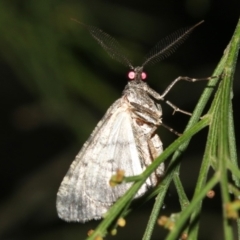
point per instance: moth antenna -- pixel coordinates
(108, 43)
(168, 45)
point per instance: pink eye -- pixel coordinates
(131, 75)
(143, 75)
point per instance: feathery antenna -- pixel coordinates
(108, 43)
(168, 45)
(162, 49)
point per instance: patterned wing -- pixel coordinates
(85, 192)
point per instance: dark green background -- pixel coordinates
(57, 82)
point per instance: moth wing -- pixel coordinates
(85, 192)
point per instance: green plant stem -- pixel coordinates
(199, 186)
(235, 171)
(183, 199)
(156, 208)
(232, 147)
(208, 158)
(176, 231)
(223, 153)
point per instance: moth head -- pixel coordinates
(137, 74)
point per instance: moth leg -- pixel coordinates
(147, 114)
(141, 111)
(185, 79)
(171, 129)
(177, 109)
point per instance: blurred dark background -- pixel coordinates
(57, 82)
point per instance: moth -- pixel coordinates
(125, 139)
